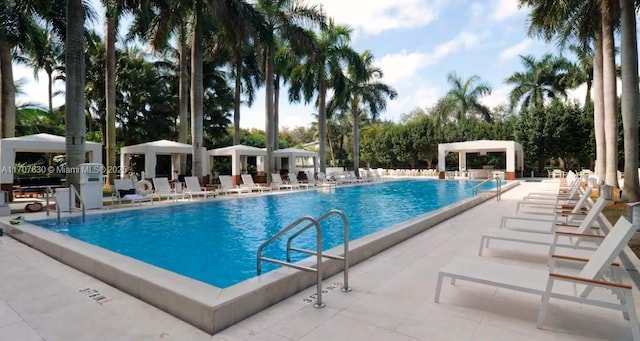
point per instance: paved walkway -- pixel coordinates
(392, 298)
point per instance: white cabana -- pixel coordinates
(152, 149)
(238, 154)
(306, 157)
(38, 143)
(513, 150)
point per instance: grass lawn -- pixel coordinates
(615, 210)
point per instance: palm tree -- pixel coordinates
(609, 10)
(542, 80)
(156, 21)
(114, 10)
(44, 51)
(284, 18)
(630, 99)
(16, 22)
(580, 21)
(321, 66)
(363, 89)
(75, 119)
(466, 94)
(240, 43)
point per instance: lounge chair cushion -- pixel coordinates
(124, 192)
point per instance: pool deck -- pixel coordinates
(392, 298)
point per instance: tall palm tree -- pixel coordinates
(630, 99)
(157, 22)
(579, 21)
(240, 43)
(16, 21)
(466, 94)
(322, 67)
(75, 119)
(114, 10)
(44, 51)
(609, 11)
(286, 19)
(364, 89)
(542, 80)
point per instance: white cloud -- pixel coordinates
(374, 17)
(464, 40)
(399, 67)
(499, 96)
(505, 9)
(496, 10)
(519, 49)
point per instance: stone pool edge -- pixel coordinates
(206, 307)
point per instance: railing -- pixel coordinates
(73, 193)
(498, 186)
(344, 258)
(317, 270)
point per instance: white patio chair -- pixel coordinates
(593, 275)
(575, 237)
(227, 186)
(277, 183)
(247, 182)
(193, 188)
(164, 190)
(294, 182)
(124, 189)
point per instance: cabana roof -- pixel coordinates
(160, 147)
(294, 152)
(239, 149)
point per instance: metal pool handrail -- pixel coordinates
(72, 188)
(318, 268)
(344, 258)
(498, 186)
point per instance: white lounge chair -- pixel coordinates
(537, 282)
(294, 182)
(164, 190)
(277, 183)
(193, 188)
(554, 202)
(547, 218)
(575, 237)
(247, 182)
(227, 186)
(124, 189)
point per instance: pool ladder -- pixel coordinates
(498, 186)
(311, 222)
(74, 193)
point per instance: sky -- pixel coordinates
(416, 43)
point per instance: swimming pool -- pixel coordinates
(216, 241)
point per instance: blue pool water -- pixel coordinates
(216, 241)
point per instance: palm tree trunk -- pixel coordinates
(50, 91)
(598, 109)
(276, 112)
(75, 120)
(610, 98)
(322, 123)
(236, 101)
(630, 99)
(8, 97)
(183, 94)
(268, 161)
(197, 97)
(110, 87)
(333, 155)
(356, 138)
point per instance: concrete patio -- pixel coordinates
(392, 298)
